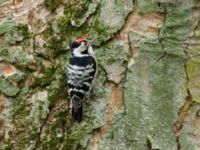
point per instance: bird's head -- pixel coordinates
(80, 46)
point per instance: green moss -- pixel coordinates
(19, 104)
(45, 79)
(66, 32)
(56, 45)
(52, 4)
(23, 30)
(70, 10)
(63, 58)
(26, 139)
(77, 9)
(48, 32)
(56, 132)
(6, 146)
(57, 86)
(26, 130)
(63, 23)
(95, 28)
(4, 54)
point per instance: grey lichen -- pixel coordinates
(152, 87)
(7, 88)
(40, 107)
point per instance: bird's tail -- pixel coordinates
(77, 114)
(77, 109)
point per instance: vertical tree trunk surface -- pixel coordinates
(147, 93)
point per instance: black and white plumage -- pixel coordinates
(81, 70)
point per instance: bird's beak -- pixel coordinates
(88, 44)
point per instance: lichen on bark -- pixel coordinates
(146, 90)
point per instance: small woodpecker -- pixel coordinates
(81, 71)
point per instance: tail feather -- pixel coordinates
(77, 115)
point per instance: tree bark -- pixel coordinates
(147, 92)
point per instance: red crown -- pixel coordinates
(79, 40)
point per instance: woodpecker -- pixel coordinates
(81, 71)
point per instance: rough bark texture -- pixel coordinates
(147, 93)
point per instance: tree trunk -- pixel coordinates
(147, 92)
